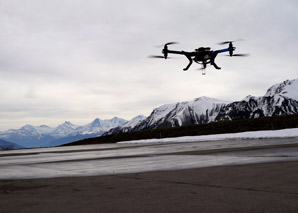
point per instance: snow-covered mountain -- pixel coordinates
(42, 136)
(100, 126)
(198, 111)
(29, 136)
(93, 129)
(63, 130)
(280, 99)
(128, 126)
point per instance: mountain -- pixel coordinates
(5, 145)
(127, 127)
(29, 136)
(64, 130)
(280, 99)
(100, 125)
(43, 136)
(93, 129)
(198, 111)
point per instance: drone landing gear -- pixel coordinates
(190, 60)
(216, 67)
(212, 60)
(204, 68)
(204, 71)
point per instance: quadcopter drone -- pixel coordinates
(202, 55)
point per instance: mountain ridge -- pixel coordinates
(280, 99)
(43, 135)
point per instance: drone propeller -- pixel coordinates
(227, 42)
(241, 55)
(158, 56)
(238, 55)
(169, 43)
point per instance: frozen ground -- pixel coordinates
(242, 135)
(167, 154)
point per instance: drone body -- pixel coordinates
(202, 55)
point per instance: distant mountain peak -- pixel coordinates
(204, 98)
(40, 136)
(27, 127)
(96, 122)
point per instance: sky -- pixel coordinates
(77, 60)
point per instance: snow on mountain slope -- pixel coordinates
(200, 110)
(288, 88)
(132, 123)
(64, 129)
(280, 99)
(127, 127)
(99, 125)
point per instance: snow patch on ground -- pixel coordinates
(283, 133)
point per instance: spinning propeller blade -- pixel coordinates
(241, 55)
(227, 42)
(155, 56)
(169, 43)
(158, 56)
(238, 55)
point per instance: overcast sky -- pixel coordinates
(76, 60)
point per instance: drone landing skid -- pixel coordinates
(204, 71)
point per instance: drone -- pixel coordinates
(202, 55)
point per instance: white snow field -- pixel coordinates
(242, 135)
